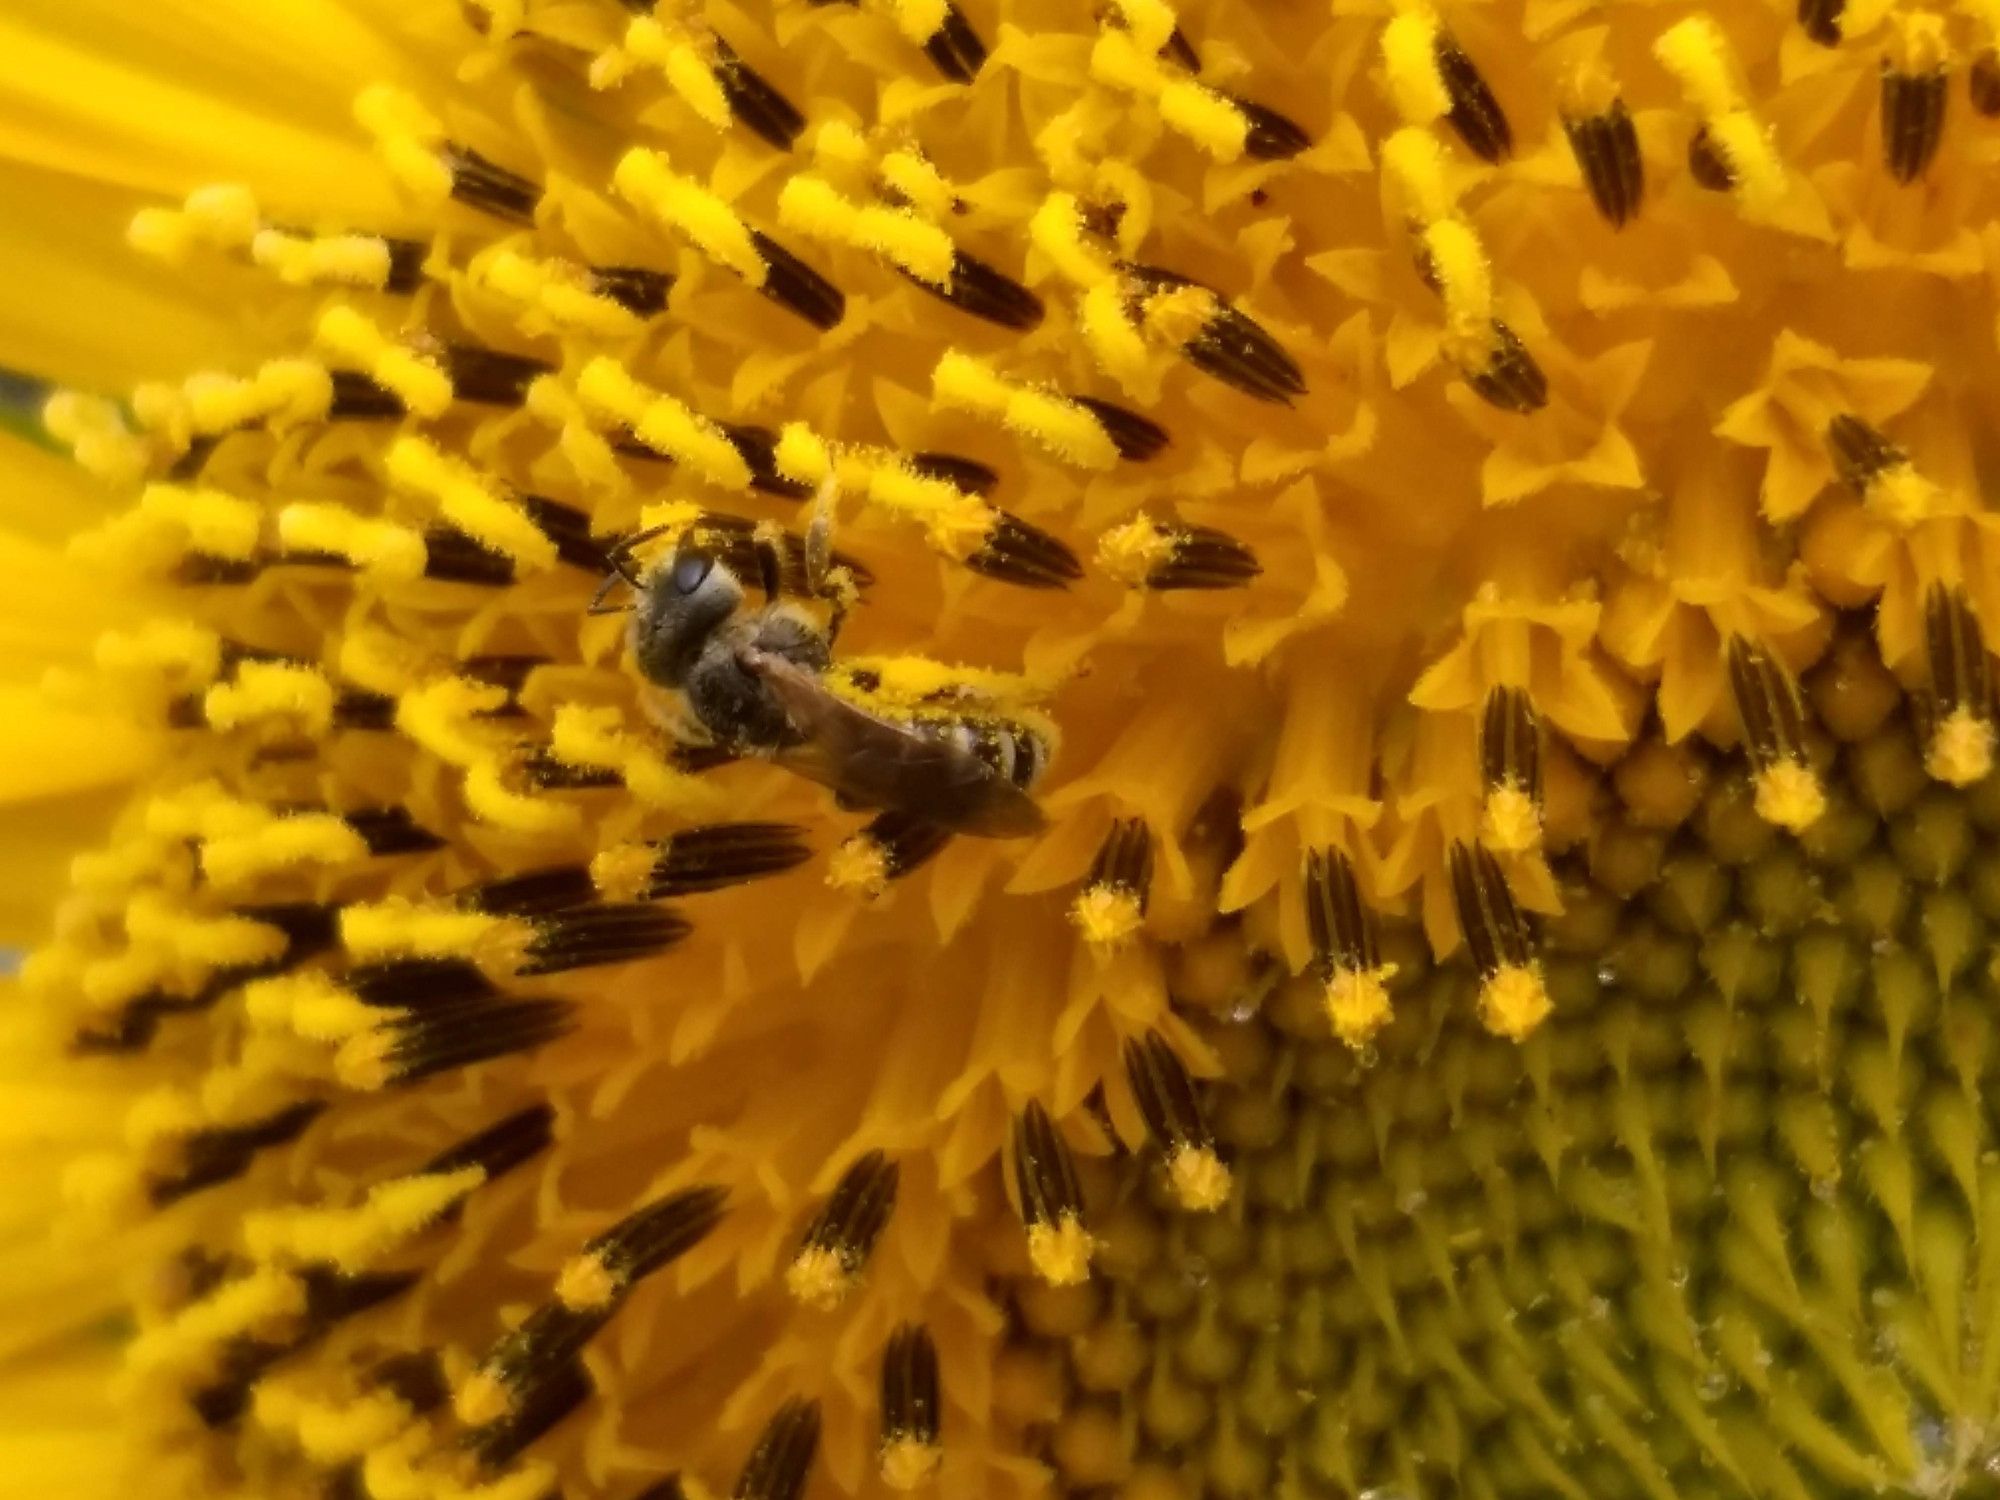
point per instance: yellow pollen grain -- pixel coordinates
(215, 523)
(859, 865)
(363, 1062)
(586, 1284)
(1961, 750)
(819, 1278)
(265, 1301)
(1064, 429)
(470, 501)
(182, 652)
(644, 179)
(1902, 496)
(1131, 551)
(1465, 281)
(232, 860)
(908, 1463)
(1357, 1003)
(272, 690)
(400, 928)
(443, 717)
(1510, 822)
(1116, 342)
(1409, 61)
(407, 136)
(663, 423)
(1057, 231)
(354, 1239)
(1178, 315)
(911, 176)
(1514, 1001)
(382, 549)
(418, 382)
(622, 872)
(492, 800)
(917, 20)
(1789, 795)
(1198, 1179)
(480, 1399)
(815, 208)
(356, 260)
(1108, 916)
(557, 292)
(328, 1432)
(1060, 1252)
(309, 1004)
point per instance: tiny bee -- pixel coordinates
(753, 682)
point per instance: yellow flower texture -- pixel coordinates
(1395, 596)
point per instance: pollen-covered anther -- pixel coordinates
(1111, 907)
(892, 845)
(508, 946)
(1606, 147)
(1513, 999)
(707, 75)
(1051, 1200)
(636, 1246)
(542, 1351)
(355, 1239)
(432, 167)
(835, 1248)
(1880, 472)
(1195, 1172)
(1165, 556)
(1730, 150)
(415, 1045)
(1221, 124)
(645, 179)
(1211, 334)
(1773, 716)
(1075, 429)
(1510, 772)
(912, 1409)
(1346, 956)
(1431, 77)
(694, 860)
(1961, 746)
(913, 245)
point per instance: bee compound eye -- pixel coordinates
(690, 570)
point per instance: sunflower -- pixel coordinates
(1450, 540)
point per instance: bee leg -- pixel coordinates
(766, 541)
(825, 579)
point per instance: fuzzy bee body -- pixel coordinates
(753, 680)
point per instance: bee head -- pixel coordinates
(680, 604)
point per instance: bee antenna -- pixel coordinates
(616, 576)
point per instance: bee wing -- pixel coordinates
(879, 763)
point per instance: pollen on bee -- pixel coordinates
(1513, 999)
(837, 1244)
(1346, 955)
(1051, 1200)
(1773, 716)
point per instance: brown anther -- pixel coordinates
(1167, 1098)
(1820, 20)
(757, 105)
(1913, 106)
(1229, 345)
(1982, 83)
(779, 1464)
(912, 1408)
(488, 186)
(1018, 552)
(843, 1234)
(1707, 164)
(1051, 1199)
(1475, 114)
(1859, 452)
(1510, 769)
(1510, 380)
(1606, 147)
(1125, 861)
(1496, 933)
